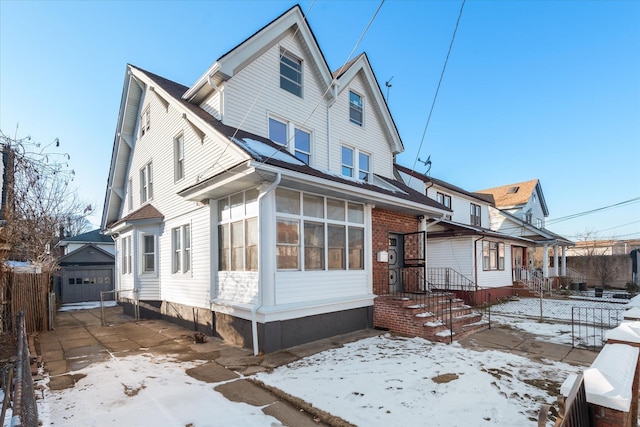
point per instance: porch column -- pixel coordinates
(555, 260)
(564, 261)
(545, 260)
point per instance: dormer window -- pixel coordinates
(355, 108)
(363, 166)
(279, 132)
(444, 199)
(290, 73)
(355, 160)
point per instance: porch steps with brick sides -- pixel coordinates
(429, 319)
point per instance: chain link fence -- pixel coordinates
(18, 383)
(580, 319)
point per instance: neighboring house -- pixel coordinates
(463, 250)
(520, 210)
(87, 267)
(260, 203)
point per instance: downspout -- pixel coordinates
(217, 89)
(254, 310)
(475, 259)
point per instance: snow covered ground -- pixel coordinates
(378, 381)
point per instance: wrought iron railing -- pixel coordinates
(573, 411)
(435, 290)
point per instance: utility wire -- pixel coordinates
(577, 215)
(435, 97)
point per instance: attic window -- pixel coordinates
(355, 108)
(513, 190)
(290, 73)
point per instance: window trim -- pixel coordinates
(181, 249)
(355, 167)
(178, 158)
(348, 222)
(291, 131)
(357, 109)
(145, 121)
(288, 60)
(493, 253)
(126, 260)
(236, 214)
(146, 183)
(475, 215)
(144, 253)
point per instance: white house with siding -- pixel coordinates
(244, 204)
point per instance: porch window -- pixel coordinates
(492, 255)
(334, 243)
(288, 242)
(313, 246)
(337, 239)
(356, 248)
(238, 232)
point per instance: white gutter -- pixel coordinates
(254, 310)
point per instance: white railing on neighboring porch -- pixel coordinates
(533, 279)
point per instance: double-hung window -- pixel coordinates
(178, 153)
(181, 244)
(290, 73)
(355, 160)
(492, 255)
(146, 183)
(145, 121)
(297, 141)
(148, 253)
(475, 214)
(444, 199)
(315, 233)
(126, 255)
(355, 108)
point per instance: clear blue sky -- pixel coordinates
(533, 89)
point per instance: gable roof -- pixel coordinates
(99, 256)
(93, 236)
(511, 195)
(146, 214)
(486, 198)
(540, 235)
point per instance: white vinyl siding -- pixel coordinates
(254, 94)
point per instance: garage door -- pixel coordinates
(85, 284)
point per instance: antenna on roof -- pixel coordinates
(427, 163)
(388, 85)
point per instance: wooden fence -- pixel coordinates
(27, 292)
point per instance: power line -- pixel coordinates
(435, 96)
(577, 215)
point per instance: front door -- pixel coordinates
(396, 257)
